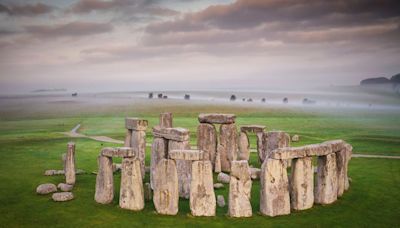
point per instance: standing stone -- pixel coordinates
(202, 196)
(274, 189)
(166, 120)
(207, 141)
(159, 150)
(244, 146)
(227, 146)
(184, 168)
(341, 171)
(349, 151)
(70, 164)
(302, 184)
(166, 194)
(240, 190)
(148, 193)
(131, 195)
(138, 143)
(128, 138)
(104, 181)
(325, 191)
(260, 146)
(275, 140)
(217, 166)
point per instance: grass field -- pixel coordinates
(31, 142)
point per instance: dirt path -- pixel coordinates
(74, 134)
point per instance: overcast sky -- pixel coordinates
(99, 45)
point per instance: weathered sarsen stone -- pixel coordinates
(274, 189)
(184, 168)
(70, 176)
(121, 152)
(138, 144)
(104, 181)
(135, 124)
(227, 148)
(341, 171)
(252, 128)
(325, 191)
(188, 155)
(177, 134)
(223, 178)
(47, 188)
(275, 140)
(166, 195)
(131, 195)
(349, 151)
(128, 138)
(202, 196)
(240, 190)
(159, 150)
(302, 183)
(207, 141)
(217, 118)
(244, 146)
(166, 120)
(62, 196)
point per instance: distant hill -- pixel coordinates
(392, 84)
(372, 81)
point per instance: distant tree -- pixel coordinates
(75, 94)
(160, 96)
(249, 100)
(244, 99)
(150, 95)
(233, 97)
(187, 97)
(165, 97)
(285, 100)
(263, 100)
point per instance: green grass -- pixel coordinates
(29, 146)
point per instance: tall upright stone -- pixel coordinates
(202, 196)
(227, 146)
(131, 192)
(325, 191)
(138, 143)
(104, 181)
(341, 157)
(274, 189)
(274, 140)
(349, 151)
(166, 120)
(166, 194)
(302, 184)
(184, 168)
(244, 146)
(70, 176)
(207, 141)
(260, 146)
(128, 138)
(159, 151)
(240, 190)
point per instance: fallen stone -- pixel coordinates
(104, 181)
(252, 128)
(188, 155)
(274, 188)
(227, 147)
(223, 178)
(62, 196)
(138, 145)
(131, 195)
(65, 187)
(202, 196)
(244, 146)
(70, 176)
(184, 168)
(166, 120)
(166, 194)
(121, 152)
(217, 118)
(79, 171)
(221, 201)
(240, 190)
(295, 138)
(207, 141)
(302, 184)
(325, 191)
(116, 167)
(218, 185)
(177, 134)
(44, 189)
(255, 173)
(135, 124)
(159, 150)
(50, 172)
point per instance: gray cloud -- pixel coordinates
(26, 9)
(73, 29)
